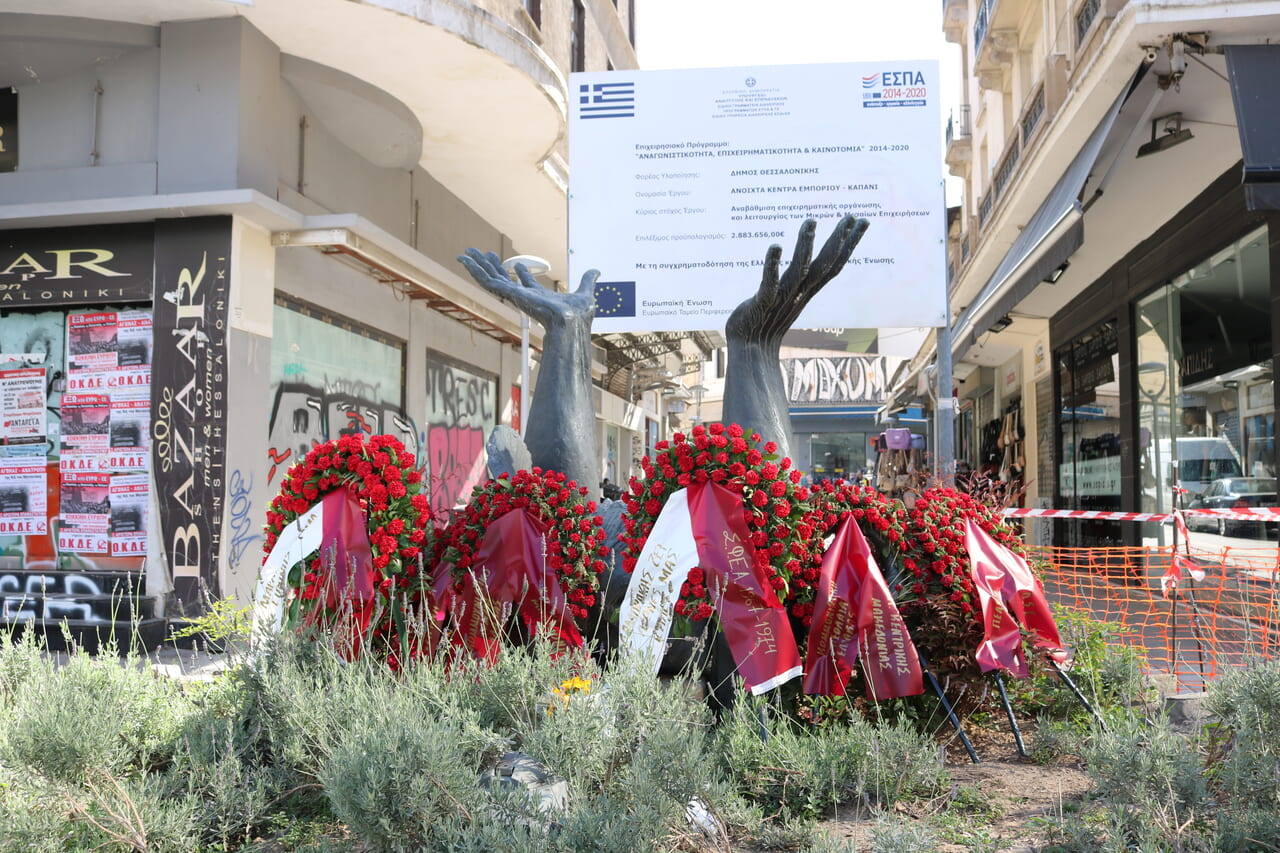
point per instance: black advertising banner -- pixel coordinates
(8, 130)
(89, 265)
(188, 401)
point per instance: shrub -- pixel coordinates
(1245, 741)
(95, 715)
(805, 773)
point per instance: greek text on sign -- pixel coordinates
(682, 179)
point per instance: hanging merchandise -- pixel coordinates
(1013, 459)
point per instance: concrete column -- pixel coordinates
(219, 83)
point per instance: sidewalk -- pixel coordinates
(171, 662)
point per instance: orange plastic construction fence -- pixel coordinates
(1205, 627)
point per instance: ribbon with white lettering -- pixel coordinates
(754, 622)
(300, 537)
(1021, 589)
(855, 617)
(669, 552)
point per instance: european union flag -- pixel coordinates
(615, 299)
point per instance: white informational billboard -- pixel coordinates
(680, 180)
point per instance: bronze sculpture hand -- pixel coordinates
(560, 420)
(548, 307)
(754, 395)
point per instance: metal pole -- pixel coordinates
(946, 706)
(525, 396)
(1008, 710)
(945, 413)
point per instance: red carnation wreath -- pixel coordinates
(401, 537)
(773, 505)
(938, 599)
(883, 520)
(574, 538)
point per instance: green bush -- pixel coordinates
(1109, 673)
(1245, 739)
(92, 715)
(807, 772)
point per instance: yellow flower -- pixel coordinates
(560, 695)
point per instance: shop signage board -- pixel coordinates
(682, 179)
(188, 408)
(90, 265)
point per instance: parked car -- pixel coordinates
(1233, 493)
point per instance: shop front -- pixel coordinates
(113, 373)
(1164, 372)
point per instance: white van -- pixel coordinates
(1200, 460)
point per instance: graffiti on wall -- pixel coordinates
(835, 379)
(304, 415)
(102, 598)
(461, 410)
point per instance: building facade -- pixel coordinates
(229, 230)
(1112, 263)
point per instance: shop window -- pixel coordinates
(1206, 408)
(1089, 450)
(330, 376)
(461, 411)
(841, 456)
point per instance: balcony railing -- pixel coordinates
(1031, 118)
(958, 126)
(1005, 173)
(1084, 19)
(980, 23)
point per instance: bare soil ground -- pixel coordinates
(996, 804)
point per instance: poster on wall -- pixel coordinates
(188, 409)
(86, 423)
(461, 410)
(23, 497)
(86, 500)
(91, 341)
(128, 515)
(22, 406)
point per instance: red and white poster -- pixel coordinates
(23, 498)
(128, 515)
(91, 342)
(86, 500)
(22, 406)
(129, 448)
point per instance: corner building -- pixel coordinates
(1113, 264)
(228, 230)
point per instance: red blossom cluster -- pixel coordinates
(575, 535)
(940, 605)
(937, 556)
(401, 534)
(773, 505)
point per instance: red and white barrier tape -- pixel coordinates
(1269, 513)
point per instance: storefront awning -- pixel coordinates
(1052, 235)
(1253, 70)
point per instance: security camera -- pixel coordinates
(1153, 52)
